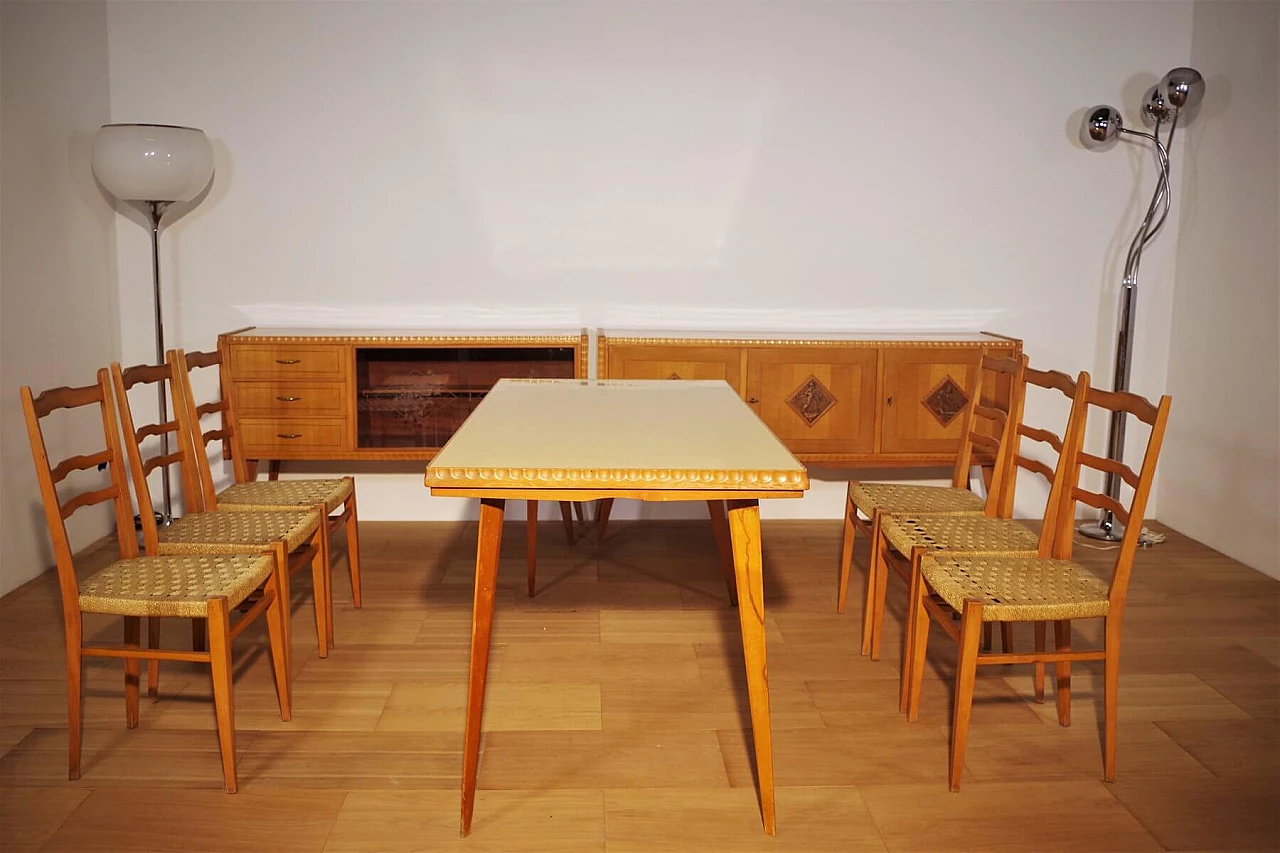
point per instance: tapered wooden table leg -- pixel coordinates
(720, 527)
(490, 542)
(744, 528)
(531, 542)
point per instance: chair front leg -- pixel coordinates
(1062, 642)
(132, 670)
(966, 671)
(223, 704)
(920, 622)
(1111, 682)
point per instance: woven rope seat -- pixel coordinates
(967, 533)
(1018, 589)
(172, 586)
(894, 497)
(235, 532)
(284, 494)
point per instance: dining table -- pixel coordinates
(647, 440)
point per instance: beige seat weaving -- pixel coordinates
(1018, 589)
(172, 586)
(258, 495)
(895, 497)
(968, 533)
(235, 532)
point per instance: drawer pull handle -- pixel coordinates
(288, 435)
(288, 399)
(754, 400)
(288, 360)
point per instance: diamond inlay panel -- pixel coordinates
(946, 401)
(811, 401)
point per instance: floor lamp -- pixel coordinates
(1178, 92)
(157, 165)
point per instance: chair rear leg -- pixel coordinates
(223, 703)
(153, 665)
(1039, 629)
(320, 596)
(198, 631)
(324, 542)
(132, 670)
(353, 549)
(277, 634)
(846, 555)
(75, 669)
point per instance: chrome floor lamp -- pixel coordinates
(1177, 93)
(156, 164)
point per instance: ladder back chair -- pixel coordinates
(205, 586)
(1044, 588)
(985, 426)
(906, 539)
(293, 536)
(245, 494)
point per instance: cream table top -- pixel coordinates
(633, 435)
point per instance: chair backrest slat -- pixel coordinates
(1098, 500)
(1035, 466)
(1043, 435)
(212, 408)
(86, 499)
(1124, 401)
(156, 430)
(78, 463)
(64, 397)
(1101, 463)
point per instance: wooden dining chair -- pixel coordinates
(204, 586)
(986, 427)
(1039, 589)
(245, 494)
(294, 535)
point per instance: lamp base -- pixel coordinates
(162, 520)
(1114, 532)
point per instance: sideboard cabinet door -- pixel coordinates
(925, 391)
(676, 361)
(815, 399)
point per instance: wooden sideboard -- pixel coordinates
(348, 394)
(865, 400)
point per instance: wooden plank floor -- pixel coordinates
(617, 708)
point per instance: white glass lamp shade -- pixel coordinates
(152, 162)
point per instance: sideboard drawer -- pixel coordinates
(277, 361)
(283, 438)
(291, 399)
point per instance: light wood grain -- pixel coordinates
(670, 769)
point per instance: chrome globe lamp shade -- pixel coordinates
(1175, 97)
(156, 165)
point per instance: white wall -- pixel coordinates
(1221, 468)
(797, 166)
(58, 301)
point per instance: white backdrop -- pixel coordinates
(793, 166)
